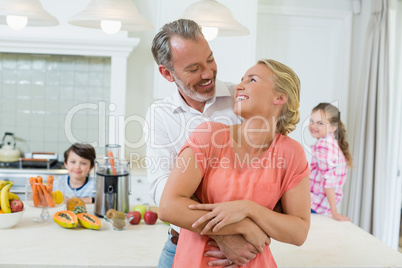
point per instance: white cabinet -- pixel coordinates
(140, 191)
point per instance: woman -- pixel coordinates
(240, 172)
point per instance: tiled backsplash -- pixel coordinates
(37, 93)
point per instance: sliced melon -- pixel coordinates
(89, 221)
(66, 219)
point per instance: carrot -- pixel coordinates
(35, 196)
(112, 164)
(42, 198)
(48, 197)
(49, 185)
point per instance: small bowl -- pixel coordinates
(9, 220)
(119, 224)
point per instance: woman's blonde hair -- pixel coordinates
(286, 81)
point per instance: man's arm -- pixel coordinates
(159, 157)
(231, 247)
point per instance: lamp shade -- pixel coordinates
(210, 13)
(111, 10)
(31, 9)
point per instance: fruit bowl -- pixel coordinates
(9, 220)
(119, 224)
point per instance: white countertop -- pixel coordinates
(28, 244)
(332, 243)
(47, 244)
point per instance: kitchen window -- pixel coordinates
(39, 92)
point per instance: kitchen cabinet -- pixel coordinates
(140, 190)
(140, 187)
(139, 183)
(21, 176)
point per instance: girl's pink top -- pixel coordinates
(328, 170)
(226, 178)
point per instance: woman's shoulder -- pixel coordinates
(210, 130)
(289, 144)
(211, 126)
(209, 134)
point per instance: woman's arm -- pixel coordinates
(183, 181)
(330, 193)
(290, 227)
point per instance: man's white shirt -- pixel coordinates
(170, 122)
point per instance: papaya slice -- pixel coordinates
(89, 221)
(66, 219)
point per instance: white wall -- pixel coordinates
(234, 55)
(141, 65)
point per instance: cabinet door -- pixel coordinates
(140, 191)
(316, 44)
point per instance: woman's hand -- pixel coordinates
(221, 214)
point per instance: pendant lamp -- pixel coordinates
(20, 13)
(215, 19)
(111, 16)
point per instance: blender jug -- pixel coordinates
(113, 183)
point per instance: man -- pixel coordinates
(185, 58)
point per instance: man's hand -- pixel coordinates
(232, 247)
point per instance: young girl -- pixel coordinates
(79, 160)
(330, 160)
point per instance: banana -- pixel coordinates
(4, 200)
(3, 183)
(12, 196)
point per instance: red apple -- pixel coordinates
(135, 215)
(150, 217)
(16, 205)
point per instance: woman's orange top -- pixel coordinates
(226, 177)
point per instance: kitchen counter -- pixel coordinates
(29, 244)
(332, 243)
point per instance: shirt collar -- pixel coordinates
(330, 136)
(221, 90)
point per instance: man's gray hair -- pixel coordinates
(183, 28)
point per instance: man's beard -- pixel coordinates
(192, 93)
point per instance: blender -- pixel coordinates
(113, 183)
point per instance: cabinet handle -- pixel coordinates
(18, 192)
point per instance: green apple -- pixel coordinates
(141, 208)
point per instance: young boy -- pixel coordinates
(79, 160)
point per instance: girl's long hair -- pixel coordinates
(334, 117)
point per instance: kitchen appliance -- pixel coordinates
(113, 183)
(8, 152)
